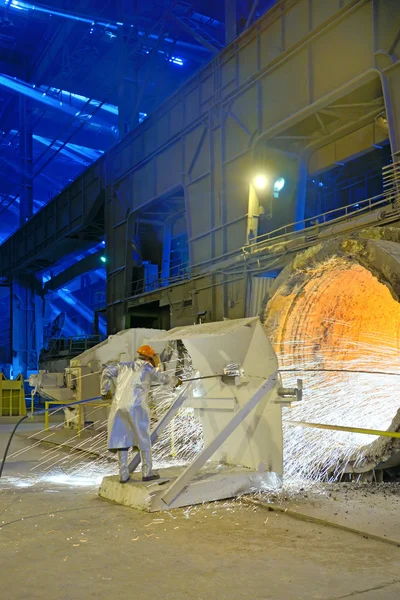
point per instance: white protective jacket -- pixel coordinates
(129, 418)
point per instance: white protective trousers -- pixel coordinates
(129, 418)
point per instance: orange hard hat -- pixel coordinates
(146, 351)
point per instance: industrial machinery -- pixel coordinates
(235, 391)
(12, 396)
(238, 396)
(81, 380)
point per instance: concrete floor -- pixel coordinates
(59, 540)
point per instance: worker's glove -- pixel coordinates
(178, 382)
(107, 396)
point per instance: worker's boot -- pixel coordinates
(147, 467)
(123, 466)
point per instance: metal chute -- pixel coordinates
(237, 394)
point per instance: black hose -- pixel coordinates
(37, 412)
(3, 462)
(201, 378)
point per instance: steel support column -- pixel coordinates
(391, 91)
(166, 253)
(26, 194)
(301, 190)
(26, 316)
(253, 215)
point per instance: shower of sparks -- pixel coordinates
(87, 461)
(363, 400)
(366, 400)
(182, 439)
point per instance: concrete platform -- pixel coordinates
(216, 482)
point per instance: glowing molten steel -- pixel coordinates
(337, 316)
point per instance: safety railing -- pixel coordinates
(80, 425)
(336, 215)
(71, 346)
(311, 227)
(391, 181)
(143, 286)
(316, 224)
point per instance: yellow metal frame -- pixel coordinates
(80, 411)
(391, 434)
(12, 397)
(47, 414)
(81, 424)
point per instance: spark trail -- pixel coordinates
(178, 444)
(365, 400)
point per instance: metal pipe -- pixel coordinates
(390, 434)
(338, 371)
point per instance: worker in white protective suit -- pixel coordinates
(129, 419)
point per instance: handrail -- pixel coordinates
(71, 344)
(322, 218)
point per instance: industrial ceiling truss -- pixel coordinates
(90, 72)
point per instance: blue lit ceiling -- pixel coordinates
(63, 56)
